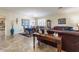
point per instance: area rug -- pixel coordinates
(27, 35)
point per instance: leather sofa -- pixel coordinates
(70, 41)
(70, 38)
(66, 28)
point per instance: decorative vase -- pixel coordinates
(12, 31)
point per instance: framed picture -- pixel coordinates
(16, 20)
(62, 21)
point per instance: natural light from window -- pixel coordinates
(41, 22)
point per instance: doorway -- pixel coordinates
(2, 28)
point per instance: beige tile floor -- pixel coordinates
(20, 43)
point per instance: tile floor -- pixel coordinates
(20, 43)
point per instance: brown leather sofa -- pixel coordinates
(69, 28)
(70, 39)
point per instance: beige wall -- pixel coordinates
(10, 17)
(54, 21)
(71, 15)
(17, 26)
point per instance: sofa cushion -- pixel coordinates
(63, 28)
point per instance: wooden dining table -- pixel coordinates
(47, 37)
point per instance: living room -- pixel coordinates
(17, 19)
(69, 13)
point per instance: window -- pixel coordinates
(41, 22)
(25, 23)
(28, 23)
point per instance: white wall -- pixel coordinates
(71, 15)
(54, 21)
(18, 28)
(10, 17)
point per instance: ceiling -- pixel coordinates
(33, 11)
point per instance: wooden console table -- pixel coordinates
(47, 37)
